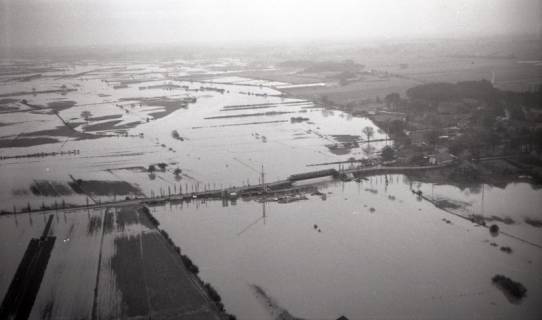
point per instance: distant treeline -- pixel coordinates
(323, 66)
(531, 99)
(481, 90)
(443, 91)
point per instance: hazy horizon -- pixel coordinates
(80, 23)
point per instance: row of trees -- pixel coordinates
(442, 91)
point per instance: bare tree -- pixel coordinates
(369, 132)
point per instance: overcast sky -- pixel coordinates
(99, 22)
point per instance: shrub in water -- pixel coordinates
(494, 228)
(515, 289)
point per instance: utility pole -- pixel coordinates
(263, 210)
(263, 181)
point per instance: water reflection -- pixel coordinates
(379, 245)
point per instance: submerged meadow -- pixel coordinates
(89, 133)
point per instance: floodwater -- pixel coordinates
(322, 259)
(370, 250)
(226, 136)
(509, 207)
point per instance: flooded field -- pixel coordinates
(270, 160)
(514, 207)
(106, 264)
(370, 250)
(112, 122)
(88, 133)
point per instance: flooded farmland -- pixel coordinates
(217, 134)
(92, 144)
(371, 250)
(78, 138)
(270, 160)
